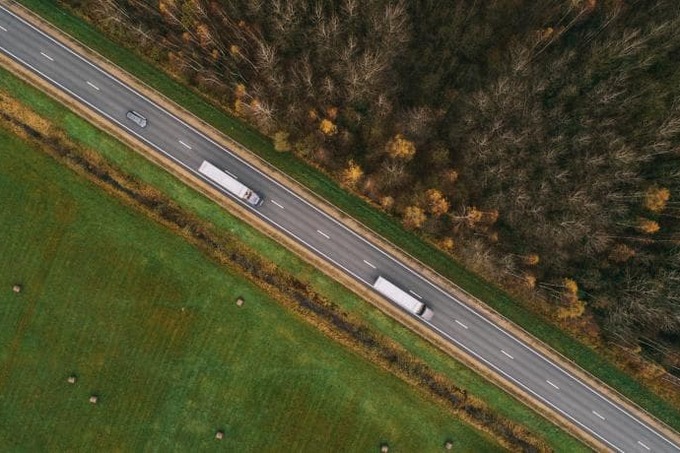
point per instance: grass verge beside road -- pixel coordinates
(134, 164)
(584, 356)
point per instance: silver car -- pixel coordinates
(136, 118)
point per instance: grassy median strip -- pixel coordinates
(374, 219)
(134, 164)
(149, 325)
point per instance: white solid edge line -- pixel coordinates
(420, 277)
(370, 264)
(461, 324)
(46, 56)
(92, 85)
(552, 384)
(508, 355)
(598, 415)
(643, 445)
(184, 144)
(415, 294)
(277, 204)
(323, 234)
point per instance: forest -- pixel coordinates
(537, 142)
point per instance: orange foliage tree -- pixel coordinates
(574, 307)
(656, 198)
(646, 226)
(387, 202)
(328, 127)
(473, 215)
(531, 259)
(570, 286)
(401, 148)
(436, 204)
(621, 253)
(574, 310)
(281, 142)
(447, 244)
(351, 174)
(413, 217)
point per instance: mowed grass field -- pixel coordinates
(150, 326)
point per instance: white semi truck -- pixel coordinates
(230, 183)
(402, 298)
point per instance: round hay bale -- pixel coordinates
(16, 288)
(72, 379)
(93, 399)
(239, 302)
(448, 445)
(384, 448)
(219, 435)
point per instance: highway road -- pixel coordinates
(460, 324)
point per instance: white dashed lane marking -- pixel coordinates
(46, 56)
(370, 264)
(508, 355)
(185, 145)
(323, 234)
(93, 85)
(415, 294)
(461, 324)
(598, 415)
(2, 28)
(643, 445)
(552, 384)
(277, 204)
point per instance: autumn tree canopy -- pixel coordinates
(436, 203)
(351, 174)
(413, 217)
(515, 129)
(401, 148)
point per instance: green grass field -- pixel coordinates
(381, 223)
(150, 326)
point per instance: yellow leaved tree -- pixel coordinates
(351, 174)
(646, 226)
(656, 198)
(435, 202)
(574, 307)
(401, 148)
(413, 217)
(328, 127)
(531, 259)
(281, 142)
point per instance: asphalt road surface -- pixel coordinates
(170, 136)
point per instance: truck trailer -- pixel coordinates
(230, 183)
(402, 298)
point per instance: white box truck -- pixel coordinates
(230, 183)
(402, 298)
